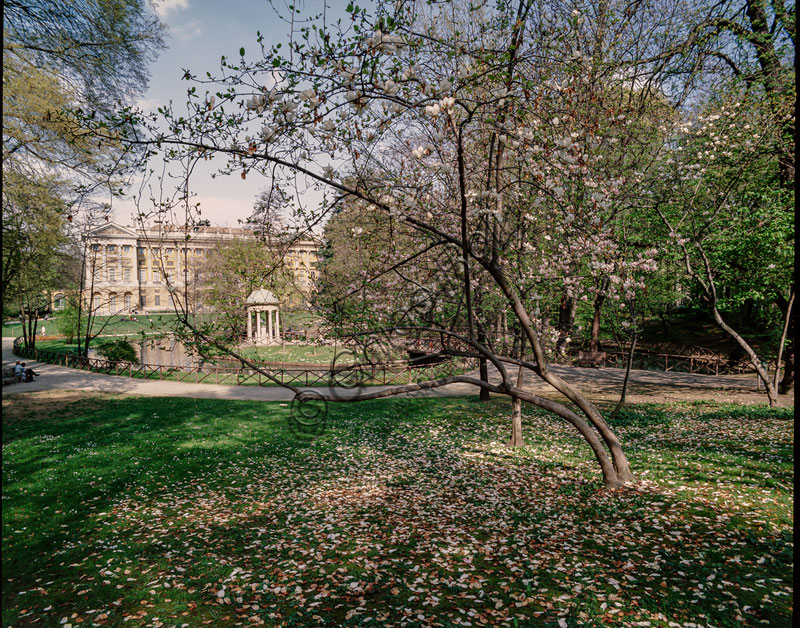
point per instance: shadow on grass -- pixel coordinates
(147, 450)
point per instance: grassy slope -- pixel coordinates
(216, 512)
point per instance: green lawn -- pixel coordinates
(108, 325)
(147, 512)
(112, 325)
(298, 354)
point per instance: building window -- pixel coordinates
(126, 248)
(112, 274)
(112, 302)
(95, 247)
(141, 250)
(143, 300)
(169, 251)
(156, 276)
(126, 274)
(142, 274)
(157, 299)
(112, 248)
(128, 297)
(59, 302)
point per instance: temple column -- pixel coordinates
(258, 323)
(249, 324)
(277, 324)
(269, 324)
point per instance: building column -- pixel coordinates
(277, 324)
(260, 328)
(249, 324)
(269, 324)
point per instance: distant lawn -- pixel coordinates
(113, 325)
(108, 325)
(404, 512)
(299, 354)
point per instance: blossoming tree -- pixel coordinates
(502, 145)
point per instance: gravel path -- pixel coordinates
(600, 384)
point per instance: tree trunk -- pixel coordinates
(628, 366)
(516, 415)
(483, 369)
(622, 470)
(772, 395)
(787, 383)
(23, 320)
(594, 344)
(566, 319)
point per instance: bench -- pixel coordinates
(591, 358)
(8, 375)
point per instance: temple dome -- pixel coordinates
(262, 297)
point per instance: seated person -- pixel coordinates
(29, 373)
(19, 371)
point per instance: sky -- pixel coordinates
(200, 32)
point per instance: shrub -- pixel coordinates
(119, 350)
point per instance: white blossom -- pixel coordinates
(432, 110)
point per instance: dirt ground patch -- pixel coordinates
(45, 403)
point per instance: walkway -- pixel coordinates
(599, 384)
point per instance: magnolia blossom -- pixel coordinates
(445, 85)
(273, 95)
(268, 133)
(432, 110)
(348, 75)
(420, 151)
(390, 87)
(256, 103)
(447, 102)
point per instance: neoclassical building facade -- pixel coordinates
(141, 270)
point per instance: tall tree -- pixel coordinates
(468, 125)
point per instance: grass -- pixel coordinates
(297, 354)
(291, 353)
(148, 323)
(148, 512)
(107, 325)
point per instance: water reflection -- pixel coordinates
(164, 352)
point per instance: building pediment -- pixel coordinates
(112, 230)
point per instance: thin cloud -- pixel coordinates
(164, 7)
(188, 30)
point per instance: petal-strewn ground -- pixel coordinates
(412, 512)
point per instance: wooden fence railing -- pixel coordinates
(245, 376)
(319, 375)
(703, 364)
